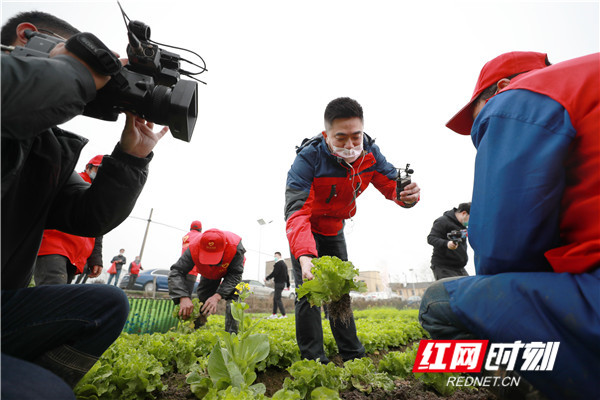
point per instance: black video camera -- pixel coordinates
(403, 179)
(457, 236)
(148, 86)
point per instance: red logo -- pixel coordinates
(450, 356)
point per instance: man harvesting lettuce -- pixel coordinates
(330, 171)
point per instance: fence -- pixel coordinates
(149, 316)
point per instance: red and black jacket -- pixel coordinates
(322, 188)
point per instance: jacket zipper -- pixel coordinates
(331, 194)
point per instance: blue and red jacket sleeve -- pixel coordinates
(519, 181)
(384, 177)
(299, 197)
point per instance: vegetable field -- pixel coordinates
(263, 362)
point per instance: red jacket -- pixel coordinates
(186, 240)
(76, 248)
(215, 272)
(321, 190)
(580, 204)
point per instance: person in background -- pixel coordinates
(62, 256)
(282, 280)
(449, 256)
(195, 231)
(134, 269)
(219, 257)
(330, 171)
(119, 260)
(534, 221)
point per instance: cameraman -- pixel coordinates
(449, 257)
(62, 328)
(330, 171)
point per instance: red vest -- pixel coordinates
(134, 268)
(216, 271)
(76, 248)
(186, 240)
(575, 84)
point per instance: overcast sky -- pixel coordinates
(272, 68)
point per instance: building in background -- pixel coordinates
(373, 281)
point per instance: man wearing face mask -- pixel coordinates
(330, 171)
(449, 257)
(62, 256)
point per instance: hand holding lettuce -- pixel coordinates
(332, 283)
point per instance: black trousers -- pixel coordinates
(447, 272)
(277, 302)
(309, 331)
(208, 287)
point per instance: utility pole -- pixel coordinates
(146, 234)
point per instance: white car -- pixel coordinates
(289, 293)
(259, 288)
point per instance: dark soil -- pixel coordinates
(272, 378)
(177, 389)
(410, 389)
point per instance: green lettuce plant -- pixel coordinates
(332, 283)
(232, 361)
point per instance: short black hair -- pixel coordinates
(278, 253)
(342, 107)
(465, 207)
(41, 20)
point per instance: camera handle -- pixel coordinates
(403, 181)
(95, 53)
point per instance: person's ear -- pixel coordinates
(502, 83)
(21, 39)
(324, 133)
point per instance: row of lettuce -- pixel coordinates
(223, 366)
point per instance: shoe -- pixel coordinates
(273, 316)
(283, 316)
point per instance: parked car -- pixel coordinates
(414, 300)
(145, 281)
(289, 293)
(259, 288)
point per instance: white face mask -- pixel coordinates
(349, 155)
(92, 175)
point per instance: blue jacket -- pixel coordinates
(523, 140)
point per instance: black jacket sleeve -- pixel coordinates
(111, 196)
(178, 287)
(234, 273)
(96, 257)
(272, 274)
(24, 76)
(437, 237)
(287, 276)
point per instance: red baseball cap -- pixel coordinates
(96, 161)
(212, 246)
(503, 66)
(196, 225)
